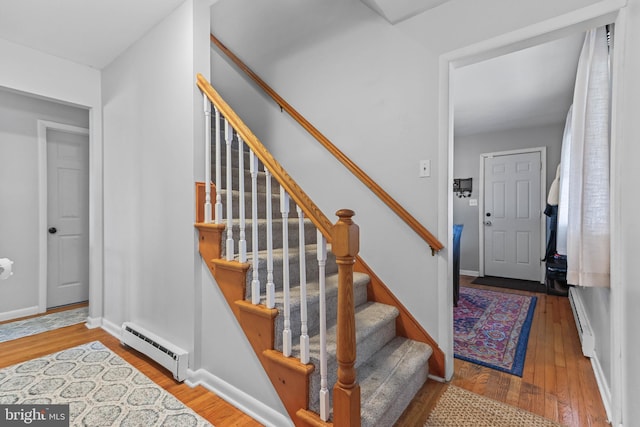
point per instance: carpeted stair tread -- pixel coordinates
(309, 233)
(375, 327)
(360, 282)
(311, 264)
(390, 379)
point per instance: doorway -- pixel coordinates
(64, 214)
(537, 33)
(511, 224)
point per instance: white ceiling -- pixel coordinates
(530, 87)
(89, 32)
(396, 11)
(525, 88)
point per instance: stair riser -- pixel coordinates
(235, 161)
(313, 308)
(261, 204)
(309, 233)
(294, 270)
(261, 181)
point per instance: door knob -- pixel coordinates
(487, 223)
(53, 230)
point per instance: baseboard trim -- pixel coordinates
(605, 392)
(470, 273)
(241, 400)
(112, 328)
(23, 312)
(93, 322)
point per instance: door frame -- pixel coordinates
(43, 127)
(543, 189)
(598, 14)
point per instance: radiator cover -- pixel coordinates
(175, 359)
(582, 323)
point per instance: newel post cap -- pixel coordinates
(345, 235)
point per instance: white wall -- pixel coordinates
(467, 151)
(154, 276)
(148, 181)
(373, 90)
(625, 291)
(366, 87)
(47, 76)
(19, 196)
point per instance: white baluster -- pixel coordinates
(207, 159)
(228, 136)
(322, 263)
(242, 243)
(218, 218)
(255, 282)
(286, 333)
(271, 289)
(304, 337)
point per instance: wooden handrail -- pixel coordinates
(310, 209)
(415, 225)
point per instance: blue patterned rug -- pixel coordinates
(35, 325)
(100, 387)
(492, 328)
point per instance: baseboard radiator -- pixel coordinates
(582, 323)
(173, 358)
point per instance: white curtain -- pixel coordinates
(583, 212)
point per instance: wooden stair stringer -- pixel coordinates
(406, 325)
(289, 377)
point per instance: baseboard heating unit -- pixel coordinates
(175, 359)
(582, 323)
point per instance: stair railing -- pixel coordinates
(343, 236)
(396, 207)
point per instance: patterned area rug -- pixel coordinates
(492, 328)
(101, 389)
(35, 325)
(461, 408)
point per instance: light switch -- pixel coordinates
(473, 202)
(425, 168)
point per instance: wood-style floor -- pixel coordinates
(211, 407)
(557, 382)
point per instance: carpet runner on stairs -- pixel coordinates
(390, 368)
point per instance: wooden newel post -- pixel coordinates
(345, 245)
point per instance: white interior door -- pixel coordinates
(67, 217)
(512, 209)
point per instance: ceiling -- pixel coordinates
(89, 32)
(396, 11)
(526, 88)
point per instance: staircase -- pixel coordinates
(390, 367)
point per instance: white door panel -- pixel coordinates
(512, 216)
(67, 217)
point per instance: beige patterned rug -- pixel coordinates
(461, 408)
(100, 387)
(48, 322)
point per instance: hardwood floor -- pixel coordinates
(557, 382)
(207, 404)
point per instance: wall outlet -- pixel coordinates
(425, 168)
